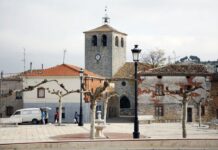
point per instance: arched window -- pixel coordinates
(116, 41)
(122, 42)
(124, 102)
(94, 40)
(104, 40)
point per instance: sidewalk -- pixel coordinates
(51, 132)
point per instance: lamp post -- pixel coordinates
(135, 54)
(81, 107)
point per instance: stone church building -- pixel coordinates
(105, 54)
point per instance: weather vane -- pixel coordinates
(106, 18)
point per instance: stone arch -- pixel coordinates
(125, 106)
(94, 40)
(116, 41)
(104, 40)
(113, 108)
(124, 102)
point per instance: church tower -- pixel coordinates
(105, 49)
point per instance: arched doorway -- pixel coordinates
(113, 107)
(124, 102)
(125, 106)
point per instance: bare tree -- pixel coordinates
(58, 93)
(102, 92)
(154, 57)
(188, 92)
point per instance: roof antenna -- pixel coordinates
(106, 19)
(24, 59)
(64, 55)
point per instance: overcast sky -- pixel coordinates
(46, 27)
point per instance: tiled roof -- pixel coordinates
(105, 28)
(60, 70)
(128, 70)
(179, 69)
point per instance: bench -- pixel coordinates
(145, 118)
(10, 121)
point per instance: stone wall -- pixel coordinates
(10, 101)
(171, 103)
(112, 57)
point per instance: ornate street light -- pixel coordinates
(81, 107)
(135, 54)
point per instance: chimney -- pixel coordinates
(42, 67)
(31, 64)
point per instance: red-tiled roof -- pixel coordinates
(105, 28)
(178, 69)
(128, 70)
(60, 70)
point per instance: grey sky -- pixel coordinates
(46, 27)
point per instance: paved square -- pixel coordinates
(43, 133)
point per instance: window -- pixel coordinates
(63, 112)
(122, 42)
(116, 41)
(124, 102)
(17, 113)
(18, 95)
(159, 110)
(123, 83)
(9, 110)
(159, 90)
(94, 40)
(40, 93)
(104, 40)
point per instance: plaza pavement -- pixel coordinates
(44, 133)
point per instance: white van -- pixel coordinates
(33, 115)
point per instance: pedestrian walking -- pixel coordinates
(56, 117)
(76, 118)
(43, 117)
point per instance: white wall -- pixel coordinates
(70, 83)
(70, 102)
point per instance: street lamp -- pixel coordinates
(81, 107)
(135, 54)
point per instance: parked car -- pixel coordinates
(33, 115)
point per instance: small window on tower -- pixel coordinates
(122, 42)
(104, 40)
(116, 41)
(94, 40)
